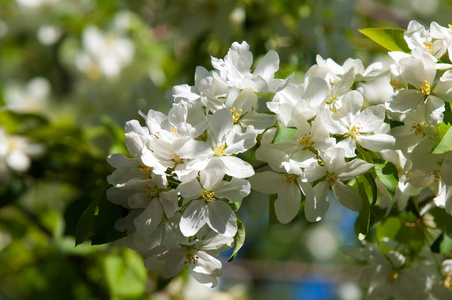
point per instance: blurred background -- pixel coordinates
(72, 72)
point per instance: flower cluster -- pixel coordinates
(187, 175)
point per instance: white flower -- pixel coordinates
(104, 53)
(207, 205)
(30, 98)
(198, 256)
(235, 68)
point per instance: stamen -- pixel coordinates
(418, 128)
(209, 195)
(219, 149)
(331, 180)
(288, 178)
(396, 85)
(305, 141)
(424, 88)
(236, 115)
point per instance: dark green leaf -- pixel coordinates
(104, 223)
(84, 229)
(272, 219)
(448, 113)
(442, 219)
(388, 229)
(390, 38)
(73, 213)
(239, 240)
(283, 134)
(443, 142)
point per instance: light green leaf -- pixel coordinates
(365, 219)
(443, 142)
(387, 174)
(126, 274)
(239, 240)
(390, 38)
(283, 134)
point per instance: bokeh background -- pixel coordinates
(72, 72)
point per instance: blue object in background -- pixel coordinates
(314, 288)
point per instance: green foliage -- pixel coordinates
(390, 38)
(443, 142)
(387, 174)
(283, 134)
(366, 217)
(239, 240)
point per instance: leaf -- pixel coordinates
(84, 228)
(73, 213)
(447, 114)
(388, 229)
(104, 223)
(388, 175)
(272, 219)
(239, 240)
(443, 142)
(442, 219)
(126, 275)
(283, 134)
(390, 38)
(365, 219)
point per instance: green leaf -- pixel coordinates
(448, 113)
(126, 274)
(104, 223)
(283, 134)
(84, 228)
(443, 142)
(365, 219)
(73, 213)
(390, 38)
(388, 175)
(239, 240)
(388, 229)
(272, 219)
(442, 219)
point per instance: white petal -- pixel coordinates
(266, 182)
(195, 216)
(190, 189)
(212, 174)
(221, 218)
(237, 167)
(268, 66)
(235, 190)
(169, 202)
(316, 204)
(371, 118)
(288, 203)
(149, 219)
(347, 196)
(376, 142)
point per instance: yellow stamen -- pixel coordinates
(331, 180)
(173, 129)
(209, 195)
(236, 115)
(448, 279)
(219, 149)
(145, 169)
(396, 85)
(424, 88)
(418, 128)
(392, 276)
(288, 178)
(429, 46)
(305, 141)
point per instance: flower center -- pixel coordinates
(392, 276)
(176, 158)
(191, 259)
(288, 178)
(219, 149)
(354, 130)
(145, 169)
(151, 191)
(396, 85)
(208, 195)
(424, 88)
(331, 180)
(435, 174)
(173, 129)
(306, 141)
(418, 128)
(236, 114)
(429, 46)
(448, 281)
